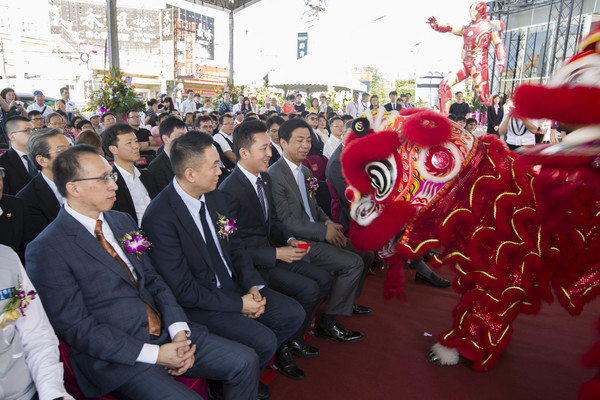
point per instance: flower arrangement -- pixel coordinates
(261, 94)
(135, 242)
(17, 304)
(234, 91)
(115, 95)
(226, 226)
(312, 184)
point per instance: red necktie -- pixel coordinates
(153, 319)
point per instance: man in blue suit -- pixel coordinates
(127, 333)
(269, 243)
(192, 251)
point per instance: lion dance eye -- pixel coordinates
(382, 177)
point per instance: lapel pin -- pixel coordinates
(8, 215)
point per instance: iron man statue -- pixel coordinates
(477, 37)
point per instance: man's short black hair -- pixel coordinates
(250, 115)
(346, 118)
(457, 93)
(243, 136)
(393, 93)
(452, 117)
(222, 118)
(110, 137)
(81, 124)
(203, 118)
(189, 91)
(286, 129)
(332, 120)
(274, 120)
(460, 118)
(12, 123)
(66, 166)
(37, 144)
(186, 149)
(471, 120)
(167, 127)
(63, 89)
(105, 115)
(33, 113)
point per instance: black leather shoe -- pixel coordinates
(433, 279)
(215, 389)
(338, 333)
(264, 393)
(303, 349)
(360, 310)
(285, 363)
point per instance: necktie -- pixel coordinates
(302, 187)
(217, 262)
(30, 168)
(261, 196)
(153, 318)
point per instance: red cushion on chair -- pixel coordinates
(335, 203)
(198, 385)
(317, 165)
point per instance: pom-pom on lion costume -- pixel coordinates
(418, 182)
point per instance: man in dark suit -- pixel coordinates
(188, 224)
(393, 105)
(15, 230)
(298, 210)
(268, 242)
(160, 168)
(273, 125)
(135, 187)
(127, 333)
(18, 168)
(40, 195)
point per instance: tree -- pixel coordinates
(376, 82)
(406, 86)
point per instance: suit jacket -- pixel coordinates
(494, 119)
(161, 171)
(274, 155)
(15, 226)
(260, 237)
(124, 201)
(17, 175)
(41, 203)
(181, 255)
(290, 207)
(388, 107)
(93, 305)
(316, 145)
(334, 175)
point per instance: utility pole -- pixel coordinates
(113, 38)
(231, 47)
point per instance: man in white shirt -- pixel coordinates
(29, 349)
(41, 196)
(39, 104)
(66, 96)
(353, 108)
(135, 188)
(188, 105)
(364, 103)
(224, 140)
(111, 305)
(273, 125)
(519, 132)
(336, 125)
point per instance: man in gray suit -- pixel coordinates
(296, 206)
(127, 333)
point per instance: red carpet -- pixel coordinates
(542, 361)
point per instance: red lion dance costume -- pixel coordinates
(477, 37)
(513, 234)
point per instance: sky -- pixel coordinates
(391, 35)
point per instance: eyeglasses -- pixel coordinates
(312, 119)
(28, 130)
(106, 178)
(37, 119)
(58, 150)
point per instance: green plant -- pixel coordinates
(115, 95)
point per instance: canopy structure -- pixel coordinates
(303, 76)
(230, 5)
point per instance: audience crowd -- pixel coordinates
(190, 240)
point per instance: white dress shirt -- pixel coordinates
(149, 353)
(137, 190)
(61, 200)
(222, 142)
(252, 178)
(330, 145)
(70, 106)
(36, 107)
(278, 147)
(193, 205)
(23, 160)
(187, 106)
(353, 109)
(39, 351)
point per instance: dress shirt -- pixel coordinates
(252, 178)
(187, 106)
(36, 107)
(330, 145)
(149, 353)
(517, 134)
(193, 205)
(24, 161)
(297, 169)
(70, 106)
(353, 109)
(34, 333)
(137, 190)
(61, 200)
(222, 142)
(278, 147)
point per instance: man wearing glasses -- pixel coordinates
(144, 137)
(128, 334)
(37, 119)
(41, 196)
(19, 169)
